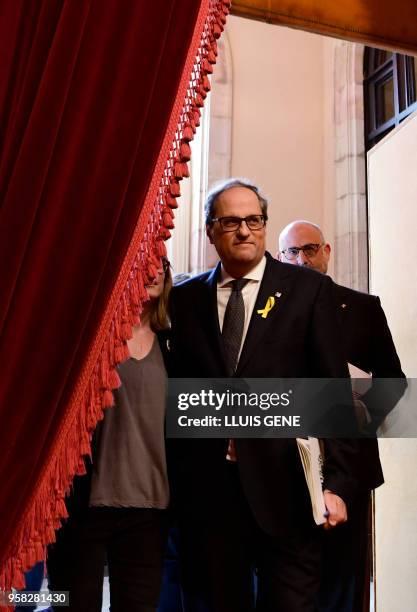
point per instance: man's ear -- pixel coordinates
(209, 232)
(279, 255)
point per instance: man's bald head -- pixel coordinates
(308, 235)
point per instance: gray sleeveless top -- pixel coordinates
(129, 466)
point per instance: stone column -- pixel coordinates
(351, 232)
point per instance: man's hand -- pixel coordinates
(336, 508)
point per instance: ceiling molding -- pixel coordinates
(381, 23)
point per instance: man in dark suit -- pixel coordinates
(368, 345)
(245, 504)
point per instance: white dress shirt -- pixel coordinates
(249, 293)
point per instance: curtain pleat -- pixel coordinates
(98, 102)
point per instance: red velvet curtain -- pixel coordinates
(98, 101)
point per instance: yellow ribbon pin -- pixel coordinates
(270, 303)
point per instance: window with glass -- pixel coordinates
(390, 91)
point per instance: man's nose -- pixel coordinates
(243, 229)
(302, 259)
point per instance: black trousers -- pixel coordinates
(132, 540)
(345, 582)
(219, 554)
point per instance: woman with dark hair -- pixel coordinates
(124, 520)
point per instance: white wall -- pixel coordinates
(282, 120)
(392, 179)
(329, 199)
(272, 120)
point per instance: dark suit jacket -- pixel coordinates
(368, 345)
(300, 337)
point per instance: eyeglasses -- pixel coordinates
(232, 224)
(309, 250)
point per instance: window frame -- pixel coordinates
(405, 87)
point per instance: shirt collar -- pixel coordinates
(255, 274)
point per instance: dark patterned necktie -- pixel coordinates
(233, 323)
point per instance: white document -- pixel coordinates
(312, 462)
(361, 383)
(361, 380)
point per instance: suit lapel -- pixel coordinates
(341, 301)
(213, 323)
(276, 283)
